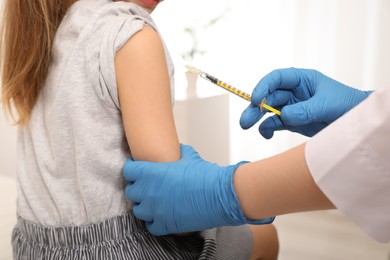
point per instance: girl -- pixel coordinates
(89, 81)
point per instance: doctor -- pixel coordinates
(346, 165)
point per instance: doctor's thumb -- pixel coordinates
(300, 113)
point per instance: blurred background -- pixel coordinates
(239, 42)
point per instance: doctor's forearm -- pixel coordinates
(278, 185)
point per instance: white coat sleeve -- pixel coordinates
(350, 162)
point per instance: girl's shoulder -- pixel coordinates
(102, 12)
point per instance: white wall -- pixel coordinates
(345, 39)
(7, 141)
(7, 147)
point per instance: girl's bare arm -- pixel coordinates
(145, 98)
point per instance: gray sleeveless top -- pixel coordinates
(70, 155)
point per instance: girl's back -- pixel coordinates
(72, 147)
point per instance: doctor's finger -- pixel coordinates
(277, 79)
(157, 229)
(270, 125)
(251, 115)
(132, 170)
(133, 193)
(279, 98)
(188, 152)
(143, 212)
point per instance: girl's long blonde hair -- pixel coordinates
(26, 36)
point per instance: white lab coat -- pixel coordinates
(350, 162)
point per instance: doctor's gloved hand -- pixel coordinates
(188, 195)
(309, 101)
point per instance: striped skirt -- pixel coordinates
(125, 237)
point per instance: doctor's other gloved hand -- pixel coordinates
(188, 195)
(309, 101)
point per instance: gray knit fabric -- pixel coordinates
(71, 154)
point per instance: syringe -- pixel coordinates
(229, 88)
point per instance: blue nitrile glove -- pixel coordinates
(188, 195)
(309, 101)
